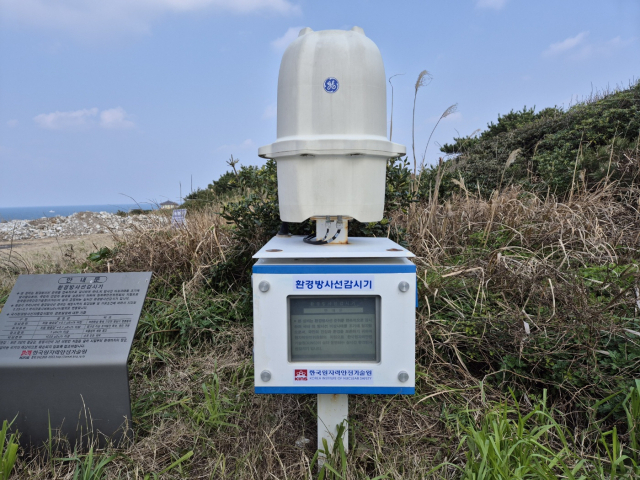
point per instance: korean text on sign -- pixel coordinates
(350, 284)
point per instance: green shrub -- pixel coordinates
(255, 217)
(556, 150)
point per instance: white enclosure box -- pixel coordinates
(338, 325)
(332, 145)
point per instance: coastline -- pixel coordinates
(33, 213)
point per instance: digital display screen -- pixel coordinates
(333, 329)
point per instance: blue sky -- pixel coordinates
(100, 99)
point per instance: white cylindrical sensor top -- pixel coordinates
(332, 144)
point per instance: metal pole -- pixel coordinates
(333, 409)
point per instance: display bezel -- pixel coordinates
(377, 359)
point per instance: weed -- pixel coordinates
(631, 406)
(215, 409)
(89, 467)
(177, 464)
(332, 462)
(8, 451)
(511, 444)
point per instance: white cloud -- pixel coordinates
(99, 17)
(12, 123)
(115, 118)
(579, 48)
(493, 4)
(112, 118)
(235, 6)
(566, 45)
(605, 48)
(271, 111)
(283, 42)
(66, 120)
(248, 143)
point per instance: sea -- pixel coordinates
(31, 213)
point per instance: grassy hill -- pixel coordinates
(553, 150)
(528, 327)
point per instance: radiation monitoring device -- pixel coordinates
(334, 322)
(333, 315)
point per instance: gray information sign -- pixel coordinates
(64, 345)
(331, 329)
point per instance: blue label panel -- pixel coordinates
(337, 390)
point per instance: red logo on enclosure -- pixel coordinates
(26, 353)
(300, 375)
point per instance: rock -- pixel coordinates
(83, 223)
(302, 442)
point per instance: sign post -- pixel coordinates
(333, 410)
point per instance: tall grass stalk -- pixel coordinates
(449, 111)
(391, 120)
(424, 78)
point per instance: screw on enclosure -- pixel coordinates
(263, 286)
(265, 375)
(403, 376)
(403, 286)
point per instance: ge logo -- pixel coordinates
(331, 85)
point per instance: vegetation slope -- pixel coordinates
(528, 329)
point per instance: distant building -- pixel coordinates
(168, 204)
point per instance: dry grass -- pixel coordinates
(396, 436)
(531, 290)
(49, 255)
(183, 253)
(589, 226)
(180, 255)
